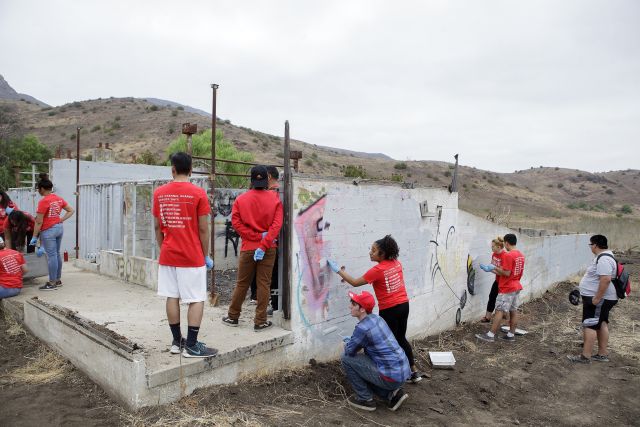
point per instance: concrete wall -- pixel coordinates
(137, 270)
(440, 253)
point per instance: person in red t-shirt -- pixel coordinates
(19, 227)
(48, 227)
(497, 248)
(181, 213)
(257, 217)
(387, 280)
(12, 267)
(6, 206)
(509, 287)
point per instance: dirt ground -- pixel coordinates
(529, 382)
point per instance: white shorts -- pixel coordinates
(187, 283)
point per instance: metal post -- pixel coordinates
(213, 298)
(286, 227)
(77, 248)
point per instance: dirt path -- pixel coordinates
(529, 382)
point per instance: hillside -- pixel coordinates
(545, 197)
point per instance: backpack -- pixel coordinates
(622, 281)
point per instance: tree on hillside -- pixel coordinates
(201, 146)
(19, 152)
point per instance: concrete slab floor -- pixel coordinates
(138, 314)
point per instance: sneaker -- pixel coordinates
(600, 358)
(416, 377)
(199, 350)
(579, 359)
(507, 338)
(48, 287)
(365, 405)
(253, 301)
(177, 346)
(485, 337)
(398, 396)
(229, 321)
(58, 283)
(262, 326)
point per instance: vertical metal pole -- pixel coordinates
(212, 188)
(286, 227)
(77, 248)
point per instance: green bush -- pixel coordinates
(174, 113)
(19, 152)
(397, 178)
(95, 128)
(351, 171)
(400, 166)
(51, 113)
(153, 108)
(308, 162)
(201, 146)
(610, 191)
(447, 173)
(626, 209)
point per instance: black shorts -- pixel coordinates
(593, 316)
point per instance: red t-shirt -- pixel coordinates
(10, 268)
(514, 262)
(496, 258)
(177, 205)
(255, 212)
(6, 224)
(387, 280)
(50, 206)
(3, 215)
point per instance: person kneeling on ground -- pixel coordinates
(12, 267)
(382, 368)
(598, 298)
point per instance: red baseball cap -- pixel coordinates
(365, 300)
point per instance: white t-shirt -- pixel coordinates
(591, 280)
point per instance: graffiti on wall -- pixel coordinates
(313, 273)
(221, 208)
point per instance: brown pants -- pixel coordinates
(247, 267)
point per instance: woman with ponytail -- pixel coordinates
(387, 280)
(49, 229)
(497, 248)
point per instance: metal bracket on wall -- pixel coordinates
(424, 210)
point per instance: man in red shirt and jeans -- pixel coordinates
(509, 287)
(181, 212)
(257, 217)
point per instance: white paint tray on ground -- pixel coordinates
(442, 359)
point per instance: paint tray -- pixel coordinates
(442, 359)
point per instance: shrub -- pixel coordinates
(308, 162)
(153, 108)
(174, 113)
(560, 185)
(117, 119)
(314, 156)
(51, 113)
(95, 128)
(351, 171)
(397, 177)
(610, 191)
(72, 137)
(626, 209)
(400, 166)
(447, 173)
(115, 125)
(180, 107)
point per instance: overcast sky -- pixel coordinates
(507, 84)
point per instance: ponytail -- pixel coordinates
(44, 183)
(388, 246)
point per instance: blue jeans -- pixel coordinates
(365, 379)
(8, 292)
(51, 238)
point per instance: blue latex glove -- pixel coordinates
(333, 265)
(208, 262)
(8, 210)
(258, 255)
(346, 339)
(264, 234)
(40, 251)
(33, 241)
(487, 268)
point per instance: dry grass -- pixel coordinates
(14, 328)
(46, 366)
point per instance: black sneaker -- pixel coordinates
(416, 377)
(48, 287)
(365, 405)
(229, 321)
(262, 326)
(397, 397)
(507, 338)
(600, 358)
(485, 337)
(579, 359)
(199, 350)
(58, 283)
(177, 346)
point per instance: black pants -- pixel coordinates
(274, 286)
(396, 318)
(491, 305)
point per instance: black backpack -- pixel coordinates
(622, 281)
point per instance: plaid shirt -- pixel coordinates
(374, 336)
